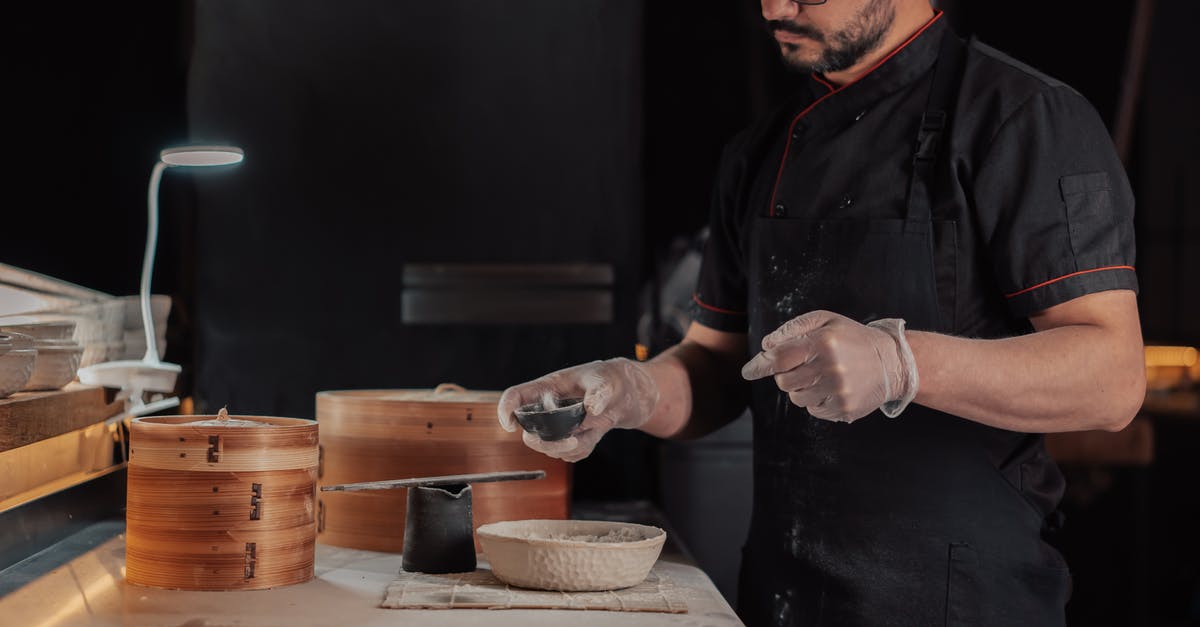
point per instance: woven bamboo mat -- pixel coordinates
(481, 590)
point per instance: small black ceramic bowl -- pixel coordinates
(554, 424)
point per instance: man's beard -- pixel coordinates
(844, 48)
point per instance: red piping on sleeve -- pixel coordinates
(696, 298)
(1067, 276)
(788, 145)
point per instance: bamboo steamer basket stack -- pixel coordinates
(221, 505)
(374, 435)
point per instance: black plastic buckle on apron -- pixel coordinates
(929, 137)
(932, 123)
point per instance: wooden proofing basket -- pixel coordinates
(213, 507)
(374, 435)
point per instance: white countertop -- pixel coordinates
(90, 589)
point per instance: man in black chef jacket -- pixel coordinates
(920, 263)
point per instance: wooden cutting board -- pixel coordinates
(28, 417)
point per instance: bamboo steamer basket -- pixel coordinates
(213, 507)
(374, 435)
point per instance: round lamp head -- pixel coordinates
(201, 155)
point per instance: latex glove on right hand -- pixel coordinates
(837, 368)
(617, 394)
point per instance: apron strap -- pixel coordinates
(943, 95)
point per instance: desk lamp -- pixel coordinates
(150, 374)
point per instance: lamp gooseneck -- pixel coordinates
(148, 263)
(202, 156)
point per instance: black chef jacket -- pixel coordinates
(1043, 208)
(1040, 213)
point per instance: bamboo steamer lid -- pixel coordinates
(373, 435)
(221, 505)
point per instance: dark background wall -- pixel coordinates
(401, 133)
(92, 93)
(381, 133)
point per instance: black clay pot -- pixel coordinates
(438, 530)
(552, 424)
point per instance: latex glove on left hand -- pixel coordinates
(837, 368)
(617, 394)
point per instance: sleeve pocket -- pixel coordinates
(1091, 219)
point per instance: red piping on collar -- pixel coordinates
(788, 138)
(828, 85)
(1067, 276)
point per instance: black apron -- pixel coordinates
(903, 521)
